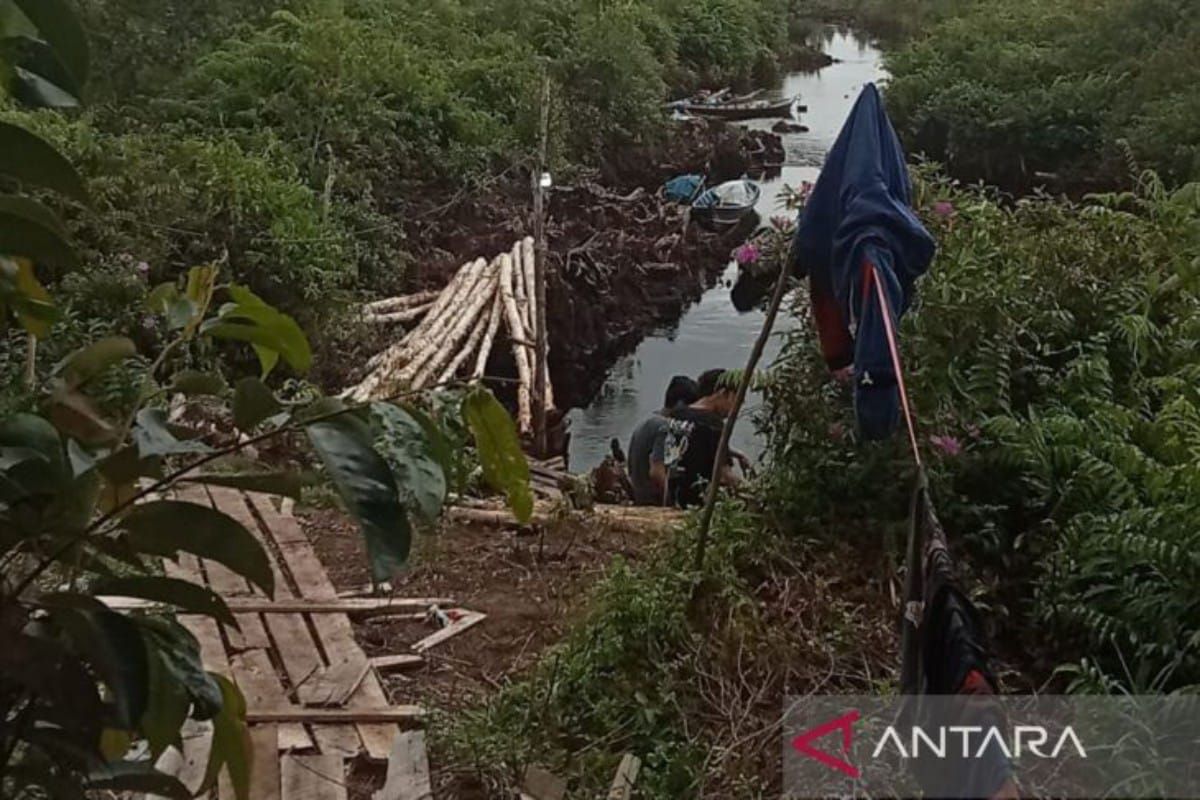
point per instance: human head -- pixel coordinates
(715, 391)
(681, 391)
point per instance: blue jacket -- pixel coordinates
(859, 215)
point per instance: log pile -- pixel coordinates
(457, 330)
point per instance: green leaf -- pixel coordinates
(28, 228)
(76, 415)
(179, 310)
(23, 292)
(139, 777)
(112, 644)
(180, 654)
(87, 362)
(59, 26)
(231, 747)
(31, 159)
(29, 431)
(405, 445)
(273, 334)
(367, 487)
(288, 484)
(253, 402)
(167, 708)
(194, 383)
(504, 465)
(169, 527)
(190, 598)
(154, 436)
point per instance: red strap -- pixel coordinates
(886, 308)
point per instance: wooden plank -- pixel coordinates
(401, 606)
(264, 771)
(197, 742)
(332, 686)
(320, 777)
(468, 620)
(407, 770)
(294, 642)
(334, 630)
(541, 784)
(397, 661)
(626, 777)
(396, 714)
(255, 675)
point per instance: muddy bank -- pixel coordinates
(622, 261)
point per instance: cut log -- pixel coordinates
(407, 770)
(472, 345)
(403, 315)
(634, 519)
(527, 261)
(403, 301)
(485, 348)
(471, 319)
(324, 716)
(467, 620)
(397, 661)
(355, 606)
(516, 330)
(429, 338)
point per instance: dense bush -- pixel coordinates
(1054, 366)
(1006, 90)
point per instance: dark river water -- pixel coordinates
(712, 333)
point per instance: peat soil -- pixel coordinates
(622, 260)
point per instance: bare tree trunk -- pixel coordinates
(539, 278)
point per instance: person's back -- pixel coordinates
(702, 421)
(649, 466)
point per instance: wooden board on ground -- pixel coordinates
(626, 777)
(397, 661)
(539, 783)
(264, 770)
(407, 770)
(255, 675)
(320, 777)
(333, 685)
(467, 620)
(326, 716)
(365, 606)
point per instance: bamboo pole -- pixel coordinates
(477, 333)
(403, 315)
(402, 301)
(517, 333)
(471, 317)
(429, 340)
(522, 288)
(528, 260)
(539, 276)
(485, 349)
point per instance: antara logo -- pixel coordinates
(973, 741)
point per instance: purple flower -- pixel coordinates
(944, 209)
(746, 255)
(948, 446)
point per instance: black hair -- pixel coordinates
(681, 391)
(711, 382)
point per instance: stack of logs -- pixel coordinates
(458, 329)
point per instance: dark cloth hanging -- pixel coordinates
(858, 215)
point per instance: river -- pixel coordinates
(712, 333)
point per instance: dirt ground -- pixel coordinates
(531, 583)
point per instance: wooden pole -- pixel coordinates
(540, 366)
(714, 481)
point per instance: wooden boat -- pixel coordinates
(761, 109)
(726, 204)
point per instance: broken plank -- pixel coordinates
(264, 769)
(333, 685)
(626, 777)
(407, 769)
(318, 716)
(255, 675)
(320, 777)
(468, 619)
(397, 661)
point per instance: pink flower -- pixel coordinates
(949, 446)
(746, 255)
(781, 223)
(837, 431)
(944, 209)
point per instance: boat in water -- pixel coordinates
(726, 204)
(757, 109)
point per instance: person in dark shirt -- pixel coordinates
(704, 420)
(648, 468)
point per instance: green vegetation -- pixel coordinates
(1008, 91)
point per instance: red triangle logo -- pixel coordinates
(803, 743)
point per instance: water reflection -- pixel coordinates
(720, 329)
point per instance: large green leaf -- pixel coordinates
(21, 291)
(180, 655)
(59, 27)
(89, 361)
(167, 708)
(231, 747)
(189, 598)
(405, 445)
(28, 228)
(169, 527)
(139, 777)
(195, 383)
(504, 465)
(272, 333)
(112, 644)
(253, 402)
(367, 487)
(32, 160)
(288, 484)
(41, 467)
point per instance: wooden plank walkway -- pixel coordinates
(314, 699)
